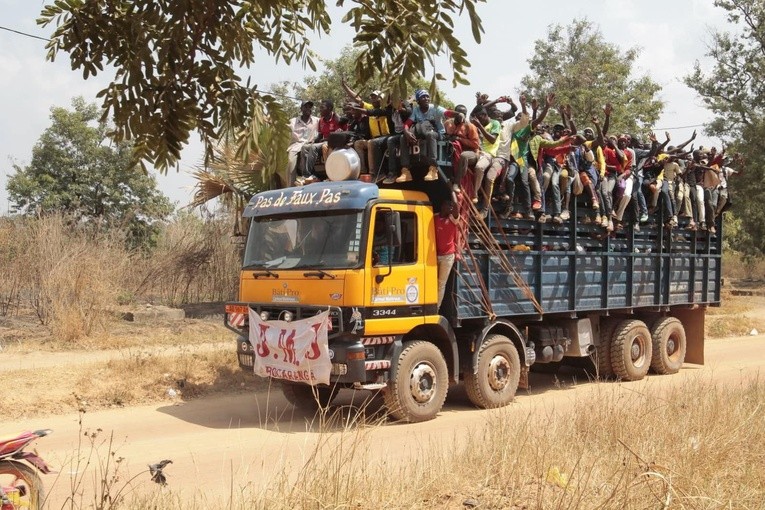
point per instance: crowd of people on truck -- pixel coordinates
(513, 161)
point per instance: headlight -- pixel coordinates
(287, 316)
(264, 316)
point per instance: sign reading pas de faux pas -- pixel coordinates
(295, 351)
(296, 197)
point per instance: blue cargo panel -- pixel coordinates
(627, 271)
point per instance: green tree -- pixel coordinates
(734, 91)
(177, 63)
(587, 72)
(75, 171)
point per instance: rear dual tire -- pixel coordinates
(494, 379)
(631, 350)
(669, 345)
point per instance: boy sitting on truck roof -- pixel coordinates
(425, 123)
(329, 122)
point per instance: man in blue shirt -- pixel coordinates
(425, 123)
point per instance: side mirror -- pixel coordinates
(393, 227)
(393, 231)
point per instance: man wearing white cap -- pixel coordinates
(380, 125)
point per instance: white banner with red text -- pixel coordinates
(295, 351)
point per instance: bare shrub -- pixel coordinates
(75, 274)
(14, 270)
(195, 260)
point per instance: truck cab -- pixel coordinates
(362, 253)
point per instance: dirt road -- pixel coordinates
(255, 439)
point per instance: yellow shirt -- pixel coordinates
(378, 126)
(600, 158)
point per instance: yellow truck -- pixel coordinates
(363, 259)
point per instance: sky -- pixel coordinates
(671, 36)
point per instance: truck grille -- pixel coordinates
(277, 312)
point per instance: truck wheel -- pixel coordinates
(309, 398)
(669, 345)
(631, 348)
(494, 379)
(601, 358)
(418, 391)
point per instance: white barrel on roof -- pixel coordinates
(343, 165)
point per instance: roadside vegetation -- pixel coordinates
(74, 282)
(692, 445)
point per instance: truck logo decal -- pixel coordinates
(285, 295)
(357, 320)
(388, 294)
(335, 296)
(412, 293)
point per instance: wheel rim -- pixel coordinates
(637, 351)
(422, 382)
(672, 345)
(499, 372)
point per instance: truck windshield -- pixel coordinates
(331, 241)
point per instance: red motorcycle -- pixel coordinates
(20, 484)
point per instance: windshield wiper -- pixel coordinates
(258, 274)
(320, 273)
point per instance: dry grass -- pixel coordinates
(194, 261)
(72, 280)
(68, 278)
(737, 316)
(722, 326)
(137, 376)
(23, 336)
(699, 445)
(735, 265)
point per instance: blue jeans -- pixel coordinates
(640, 207)
(513, 171)
(551, 178)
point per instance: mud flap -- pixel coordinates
(523, 382)
(693, 323)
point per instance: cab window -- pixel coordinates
(406, 253)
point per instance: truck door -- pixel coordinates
(396, 276)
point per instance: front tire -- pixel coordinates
(418, 390)
(669, 345)
(26, 479)
(494, 380)
(309, 398)
(631, 350)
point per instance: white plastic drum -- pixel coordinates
(343, 165)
